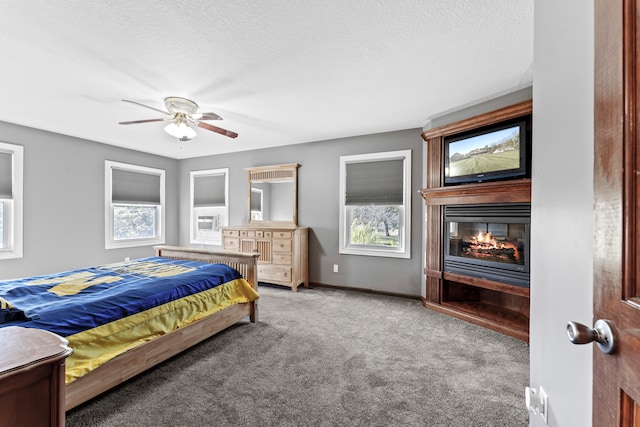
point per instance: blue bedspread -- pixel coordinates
(74, 301)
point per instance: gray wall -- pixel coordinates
(318, 206)
(64, 204)
(64, 201)
(562, 196)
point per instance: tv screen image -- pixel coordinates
(497, 153)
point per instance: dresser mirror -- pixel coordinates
(273, 195)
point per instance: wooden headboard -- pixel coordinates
(245, 263)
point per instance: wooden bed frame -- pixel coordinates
(149, 354)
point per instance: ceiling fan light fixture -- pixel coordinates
(184, 117)
(182, 131)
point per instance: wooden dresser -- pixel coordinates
(32, 377)
(283, 252)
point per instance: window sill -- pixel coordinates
(133, 243)
(376, 252)
(10, 254)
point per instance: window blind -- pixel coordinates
(134, 187)
(6, 175)
(208, 190)
(376, 182)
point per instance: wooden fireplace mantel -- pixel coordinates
(516, 191)
(498, 306)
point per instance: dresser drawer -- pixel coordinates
(247, 233)
(231, 243)
(279, 273)
(230, 233)
(281, 258)
(282, 245)
(282, 234)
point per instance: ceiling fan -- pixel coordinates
(182, 113)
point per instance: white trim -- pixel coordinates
(215, 239)
(15, 238)
(404, 251)
(110, 243)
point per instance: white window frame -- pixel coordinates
(110, 242)
(404, 250)
(13, 234)
(214, 238)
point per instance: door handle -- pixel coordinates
(602, 333)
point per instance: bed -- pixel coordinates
(195, 295)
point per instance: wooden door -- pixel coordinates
(616, 381)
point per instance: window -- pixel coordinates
(257, 198)
(11, 178)
(375, 204)
(209, 207)
(134, 206)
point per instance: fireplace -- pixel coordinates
(489, 242)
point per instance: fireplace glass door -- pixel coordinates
(490, 242)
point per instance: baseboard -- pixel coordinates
(368, 291)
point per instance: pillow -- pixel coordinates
(8, 312)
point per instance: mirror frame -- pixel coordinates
(274, 173)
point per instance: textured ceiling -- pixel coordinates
(279, 72)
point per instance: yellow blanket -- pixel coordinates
(96, 346)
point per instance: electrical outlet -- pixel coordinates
(127, 259)
(335, 268)
(537, 402)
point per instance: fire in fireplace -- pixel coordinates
(504, 244)
(489, 241)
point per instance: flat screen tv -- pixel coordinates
(496, 152)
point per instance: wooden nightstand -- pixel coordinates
(32, 377)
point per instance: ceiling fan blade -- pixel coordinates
(146, 106)
(133, 122)
(207, 116)
(216, 129)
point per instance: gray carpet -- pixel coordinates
(325, 357)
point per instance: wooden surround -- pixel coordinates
(494, 305)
